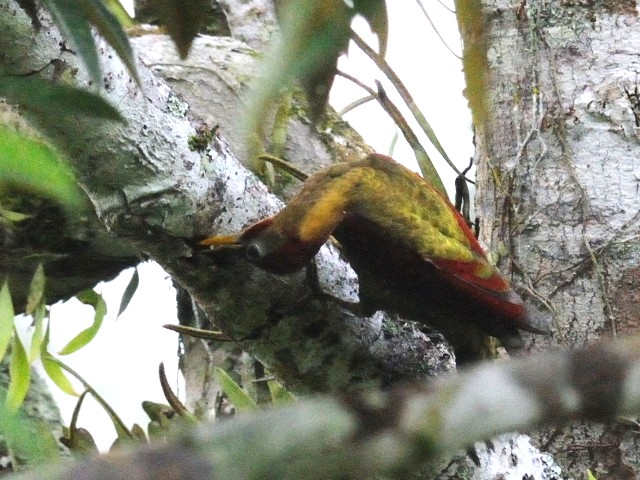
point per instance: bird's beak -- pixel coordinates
(232, 241)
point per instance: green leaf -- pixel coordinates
(53, 369)
(29, 164)
(76, 28)
(49, 98)
(88, 297)
(375, 13)
(183, 19)
(132, 286)
(590, 475)
(107, 24)
(38, 336)
(314, 33)
(6, 319)
(279, 394)
(239, 397)
(56, 374)
(36, 291)
(158, 412)
(120, 12)
(20, 374)
(13, 217)
(121, 428)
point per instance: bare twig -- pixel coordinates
(355, 104)
(425, 163)
(435, 29)
(405, 95)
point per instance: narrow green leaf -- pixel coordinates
(77, 29)
(49, 98)
(120, 12)
(121, 428)
(53, 369)
(88, 297)
(6, 319)
(56, 374)
(158, 412)
(138, 432)
(20, 374)
(590, 475)
(36, 291)
(37, 339)
(427, 169)
(313, 34)
(107, 24)
(29, 164)
(279, 394)
(13, 217)
(132, 286)
(239, 397)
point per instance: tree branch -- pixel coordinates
(149, 188)
(383, 433)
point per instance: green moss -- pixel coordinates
(390, 327)
(201, 140)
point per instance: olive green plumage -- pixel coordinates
(413, 252)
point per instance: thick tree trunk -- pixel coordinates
(558, 174)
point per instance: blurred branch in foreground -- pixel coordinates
(382, 433)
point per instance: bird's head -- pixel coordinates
(267, 247)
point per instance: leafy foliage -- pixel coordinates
(239, 397)
(43, 97)
(314, 34)
(95, 300)
(76, 17)
(132, 286)
(6, 319)
(20, 373)
(27, 438)
(31, 165)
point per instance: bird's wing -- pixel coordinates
(408, 212)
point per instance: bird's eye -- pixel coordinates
(253, 252)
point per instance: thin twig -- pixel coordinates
(427, 168)
(404, 94)
(355, 104)
(446, 7)
(436, 30)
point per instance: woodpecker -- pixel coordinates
(413, 252)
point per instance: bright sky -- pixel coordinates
(122, 361)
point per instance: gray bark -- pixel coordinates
(148, 187)
(558, 185)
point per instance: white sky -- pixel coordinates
(122, 361)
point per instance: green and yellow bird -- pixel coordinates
(413, 252)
